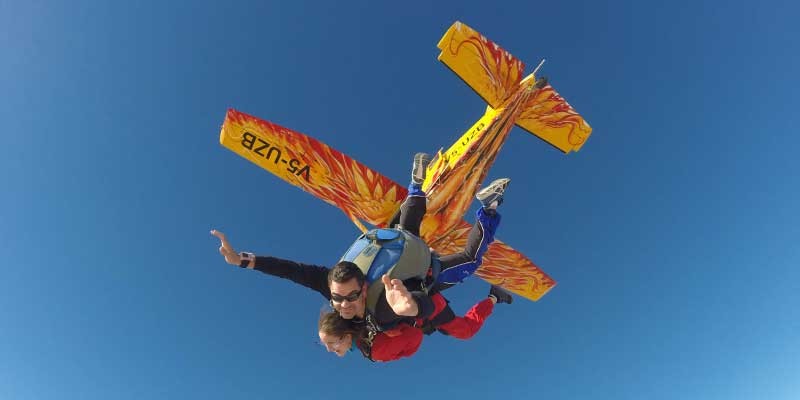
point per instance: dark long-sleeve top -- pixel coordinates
(315, 277)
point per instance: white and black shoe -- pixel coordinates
(418, 168)
(492, 196)
(500, 295)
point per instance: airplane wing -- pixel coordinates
(483, 65)
(361, 193)
(511, 270)
(547, 115)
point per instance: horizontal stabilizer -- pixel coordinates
(547, 115)
(488, 69)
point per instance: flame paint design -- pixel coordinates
(453, 179)
(549, 116)
(366, 195)
(451, 186)
(361, 193)
(453, 183)
(502, 265)
(491, 71)
(496, 75)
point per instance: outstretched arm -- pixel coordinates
(311, 276)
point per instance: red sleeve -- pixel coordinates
(404, 343)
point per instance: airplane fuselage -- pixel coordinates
(459, 171)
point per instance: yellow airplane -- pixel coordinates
(453, 177)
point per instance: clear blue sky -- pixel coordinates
(672, 233)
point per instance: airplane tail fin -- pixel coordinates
(495, 74)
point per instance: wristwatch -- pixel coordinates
(246, 258)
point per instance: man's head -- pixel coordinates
(348, 289)
(335, 333)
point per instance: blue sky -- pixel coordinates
(671, 233)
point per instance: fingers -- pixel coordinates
(393, 284)
(399, 286)
(390, 284)
(223, 240)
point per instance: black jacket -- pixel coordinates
(315, 278)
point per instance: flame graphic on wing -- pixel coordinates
(364, 194)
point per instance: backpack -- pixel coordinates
(396, 252)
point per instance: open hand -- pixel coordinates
(225, 248)
(399, 298)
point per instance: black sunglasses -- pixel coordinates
(337, 298)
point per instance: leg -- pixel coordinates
(456, 267)
(415, 205)
(467, 326)
(412, 210)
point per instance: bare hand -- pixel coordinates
(399, 298)
(225, 248)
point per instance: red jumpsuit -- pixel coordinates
(404, 340)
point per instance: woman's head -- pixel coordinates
(336, 333)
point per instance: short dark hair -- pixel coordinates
(343, 271)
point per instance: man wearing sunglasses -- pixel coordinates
(344, 285)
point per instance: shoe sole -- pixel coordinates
(421, 161)
(484, 193)
(501, 295)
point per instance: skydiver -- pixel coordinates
(404, 301)
(339, 335)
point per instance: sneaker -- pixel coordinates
(418, 168)
(500, 295)
(492, 196)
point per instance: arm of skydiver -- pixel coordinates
(311, 276)
(400, 342)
